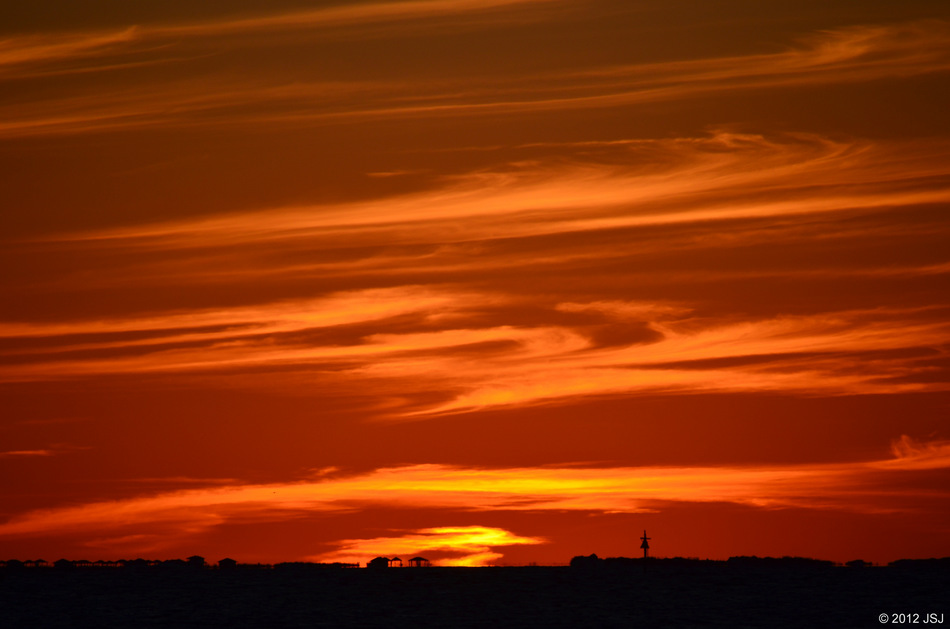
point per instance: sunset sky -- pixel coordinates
(490, 281)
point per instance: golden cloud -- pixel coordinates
(456, 545)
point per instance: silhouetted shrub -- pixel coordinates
(589, 561)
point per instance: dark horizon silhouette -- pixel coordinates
(769, 592)
(196, 562)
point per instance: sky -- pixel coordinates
(494, 282)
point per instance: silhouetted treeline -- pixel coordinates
(784, 563)
(191, 563)
(942, 563)
(593, 561)
(306, 566)
(580, 561)
(779, 562)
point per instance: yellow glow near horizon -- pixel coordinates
(464, 546)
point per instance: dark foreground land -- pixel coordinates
(690, 594)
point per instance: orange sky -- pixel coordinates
(492, 281)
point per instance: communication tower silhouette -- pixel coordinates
(646, 544)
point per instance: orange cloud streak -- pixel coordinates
(664, 364)
(691, 180)
(19, 453)
(853, 54)
(527, 365)
(54, 47)
(857, 486)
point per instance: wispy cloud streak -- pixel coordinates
(680, 361)
(516, 365)
(726, 176)
(71, 45)
(854, 54)
(25, 453)
(692, 182)
(868, 486)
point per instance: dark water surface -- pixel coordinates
(699, 596)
